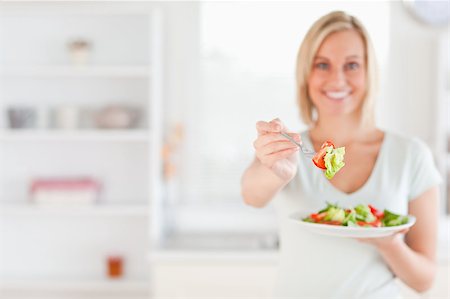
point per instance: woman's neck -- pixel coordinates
(341, 130)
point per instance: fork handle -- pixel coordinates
(291, 139)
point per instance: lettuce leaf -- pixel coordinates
(363, 213)
(334, 160)
(392, 219)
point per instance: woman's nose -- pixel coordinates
(337, 78)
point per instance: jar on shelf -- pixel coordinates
(115, 266)
(66, 117)
(79, 51)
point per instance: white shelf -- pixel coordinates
(76, 71)
(83, 286)
(14, 209)
(135, 135)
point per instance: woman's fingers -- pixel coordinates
(270, 159)
(267, 127)
(273, 126)
(275, 147)
(270, 145)
(268, 138)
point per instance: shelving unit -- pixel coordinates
(119, 71)
(35, 71)
(138, 135)
(14, 209)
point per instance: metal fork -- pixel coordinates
(306, 151)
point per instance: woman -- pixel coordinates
(336, 81)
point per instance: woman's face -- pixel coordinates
(337, 83)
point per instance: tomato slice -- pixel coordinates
(332, 222)
(375, 223)
(362, 223)
(327, 143)
(318, 159)
(318, 217)
(376, 212)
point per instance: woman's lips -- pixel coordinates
(337, 95)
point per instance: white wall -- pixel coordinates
(416, 96)
(409, 104)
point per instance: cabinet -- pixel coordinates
(61, 65)
(182, 275)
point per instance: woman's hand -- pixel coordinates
(385, 243)
(275, 151)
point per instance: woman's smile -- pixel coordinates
(337, 95)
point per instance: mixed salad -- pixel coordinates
(329, 158)
(359, 216)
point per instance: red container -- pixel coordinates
(115, 266)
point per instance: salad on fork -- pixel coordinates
(329, 158)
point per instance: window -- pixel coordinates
(247, 62)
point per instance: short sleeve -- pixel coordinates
(423, 171)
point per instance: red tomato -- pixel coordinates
(375, 223)
(318, 217)
(326, 144)
(332, 222)
(375, 212)
(318, 159)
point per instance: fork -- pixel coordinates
(306, 151)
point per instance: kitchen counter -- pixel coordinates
(217, 247)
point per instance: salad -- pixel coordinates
(329, 158)
(359, 216)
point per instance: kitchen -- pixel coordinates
(126, 108)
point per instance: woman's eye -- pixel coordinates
(352, 66)
(322, 66)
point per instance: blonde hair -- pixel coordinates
(334, 22)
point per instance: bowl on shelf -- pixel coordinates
(117, 117)
(21, 117)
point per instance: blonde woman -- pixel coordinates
(336, 80)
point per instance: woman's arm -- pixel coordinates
(259, 184)
(274, 166)
(414, 262)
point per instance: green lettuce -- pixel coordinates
(335, 214)
(363, 213)
(392, 219)
(334, 160)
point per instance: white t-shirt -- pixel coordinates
(317, 266)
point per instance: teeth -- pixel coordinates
(337, 94)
